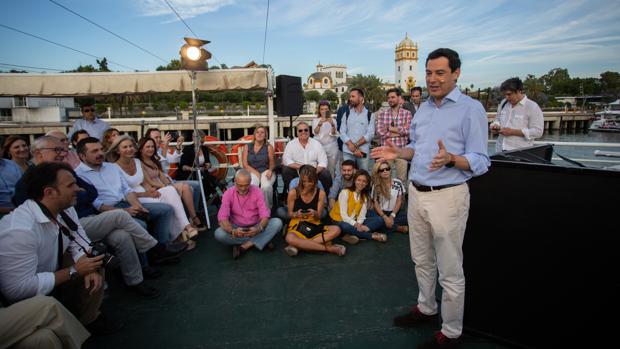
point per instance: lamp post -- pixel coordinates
(194, 58)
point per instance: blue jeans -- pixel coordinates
(362, 163)
(400, 219)
(260, 240)
(159, 217)
(373, 225)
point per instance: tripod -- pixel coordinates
(197, 144)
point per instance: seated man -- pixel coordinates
(10, 173)
(347, 170)
(304, 150)
(40, 322)
(244, 217)
(116, 227)
(43, 249)
(114, 192)
(71, 158)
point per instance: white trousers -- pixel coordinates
(169, 195)
(437, 221)
(266, 185)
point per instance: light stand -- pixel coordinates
(197, 144)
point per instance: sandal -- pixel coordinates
(342, 250)
(402, 229)
(190, 233)
(291, 251)
(379, 237)
(197, 224)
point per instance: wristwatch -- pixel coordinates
(393, 215)
(452, 161)
(73, 273)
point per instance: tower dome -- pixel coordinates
(406, 42)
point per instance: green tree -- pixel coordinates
(558, 82)
(312, 96)
(175, 64)
(103, 65)
(330, 95)
(610, 84)
(373, 89)
(534, 89)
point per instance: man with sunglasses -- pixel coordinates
(90, 122)
(304, 150)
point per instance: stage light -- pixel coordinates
(193, 56)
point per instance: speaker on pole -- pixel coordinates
(289, 99)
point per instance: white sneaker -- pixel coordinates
(291, 251)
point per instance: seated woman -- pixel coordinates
(109, 136)
(259, 160)
(349, 212)
(387, 194)
(305, 205)
(16, 148)
(123, 153)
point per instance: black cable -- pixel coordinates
(179, 16)
(27, 66)
(109, 31)
(64, 46)
(265, 38)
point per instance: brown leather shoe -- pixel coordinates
(440, 341)
(413, 318)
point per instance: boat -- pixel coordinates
(607, 120)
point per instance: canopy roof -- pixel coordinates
(91, 84)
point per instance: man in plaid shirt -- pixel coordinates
(393, 126)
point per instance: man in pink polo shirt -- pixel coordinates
(244, 217)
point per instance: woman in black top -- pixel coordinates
(305, 205)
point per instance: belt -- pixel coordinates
(425, 188)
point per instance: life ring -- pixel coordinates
(220, 155)
(233, 159)
(279, 149)
(221, 147)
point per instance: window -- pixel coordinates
(399, 68)
(406, 54)
(410, 69)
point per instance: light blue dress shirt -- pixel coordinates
(355, 127)
(10, 173)
(109, 181)
(94, 128)
(461, 123)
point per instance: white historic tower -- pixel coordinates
(406, 65)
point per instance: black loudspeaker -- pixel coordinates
(289, 95)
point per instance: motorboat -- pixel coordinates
(607, 120)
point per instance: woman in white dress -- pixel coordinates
(324, 130)
(123, 153)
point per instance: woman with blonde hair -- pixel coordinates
(387, 195)
(259, 160)
(123, 153)
(325, 131)
(109, 136)
(305, 205)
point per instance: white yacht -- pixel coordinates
(607, 120)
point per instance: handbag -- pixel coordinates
(309, 229)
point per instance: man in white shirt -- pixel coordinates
(304, 150)
(90, 122)
(43, 248)
(519, 120)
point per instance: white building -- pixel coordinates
(406, 64)
(36, 109)
(328, 77)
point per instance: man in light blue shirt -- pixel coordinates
(10, 173)
(448, 146)
(357, 130)
(89, 122)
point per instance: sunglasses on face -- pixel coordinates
(303, 130)
(88, 110)
(385, 169)
(58, 150)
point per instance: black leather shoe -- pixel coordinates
(440, 341)
(151, 273)
(238, 251)
(103, 326)
(144, 290)
(413, 318)
(160, 254)
(176, 247)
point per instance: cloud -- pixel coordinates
(185, 8)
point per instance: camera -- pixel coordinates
(98, 249)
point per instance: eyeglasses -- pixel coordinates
(58, 150)
(88, 110)
(303, 130)
(385, 169)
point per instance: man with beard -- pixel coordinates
(347, 170)
(393, 125)
(357, 130)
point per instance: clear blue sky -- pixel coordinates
(496, 39)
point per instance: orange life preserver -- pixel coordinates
(221, 147)
(234, 158)
(220, 155)
(279, 149)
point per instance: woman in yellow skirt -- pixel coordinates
(305, 206)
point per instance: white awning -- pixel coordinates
(92, 84)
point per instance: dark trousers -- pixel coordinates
(288, 174)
